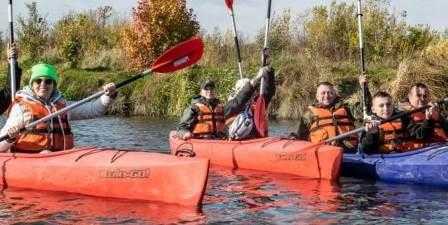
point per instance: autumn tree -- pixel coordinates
(157, 25)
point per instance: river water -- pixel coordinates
(232, 197)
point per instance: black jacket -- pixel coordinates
(5, 93)
(420, 131)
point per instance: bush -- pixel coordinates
(430, 68)
(33, 33)
(79, 34)
(157, 25)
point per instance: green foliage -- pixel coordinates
(320, 45)
(33, 32)
(168, 96)
(79, 34)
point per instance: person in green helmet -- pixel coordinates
(39, 99)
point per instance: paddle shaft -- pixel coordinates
(12, 60)
(237, 45)
(266, 32)
(362, 61)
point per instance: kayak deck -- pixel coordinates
(266, 154)
(427, 166)
(113, 173)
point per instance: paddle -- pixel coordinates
(260, 120)
(180, 56)
(365, 107)
(229, 4)
(12, 61)
(361, 129)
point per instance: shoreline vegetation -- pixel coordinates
(94, 47)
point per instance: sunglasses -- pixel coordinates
(46, 81)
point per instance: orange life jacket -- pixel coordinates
(54, 135)
(394, 138)
(210, 121)
(438, 133)
(328, 123)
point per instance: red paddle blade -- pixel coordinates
(260, 120)
(229, 4)
(180, 56)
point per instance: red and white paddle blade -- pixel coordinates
(180, 56)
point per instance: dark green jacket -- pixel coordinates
(231, 108)
(303, 127)
(5, 93)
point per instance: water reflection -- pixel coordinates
(268, 197)
(232, 197)
(25, 206)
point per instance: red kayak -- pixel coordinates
(130, 174)
(267, 154)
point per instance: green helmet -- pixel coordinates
(44, 70)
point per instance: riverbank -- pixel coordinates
(166, 95)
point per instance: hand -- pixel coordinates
(432, 112)
(362, 80)
(110, 90)
(13, 132)
(372, 126)
(187, 135)
(12, 51)
(262, 72)
(266, 52)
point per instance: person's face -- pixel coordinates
(325, 95)
(382, 107)
(418, 97)
(208, 92)
(43, 87)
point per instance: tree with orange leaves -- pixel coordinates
(156, 25)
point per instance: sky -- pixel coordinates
(249, 13)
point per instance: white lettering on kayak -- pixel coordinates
(291, 156)
(120, 173)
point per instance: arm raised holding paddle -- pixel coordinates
(5, 93)
(39, 99)
(44, 115)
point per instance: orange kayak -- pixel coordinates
(130, 174)
(271, 154)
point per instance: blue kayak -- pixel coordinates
(428, 166)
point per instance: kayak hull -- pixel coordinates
(112, 173)
(427, 166)
(266, 154)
